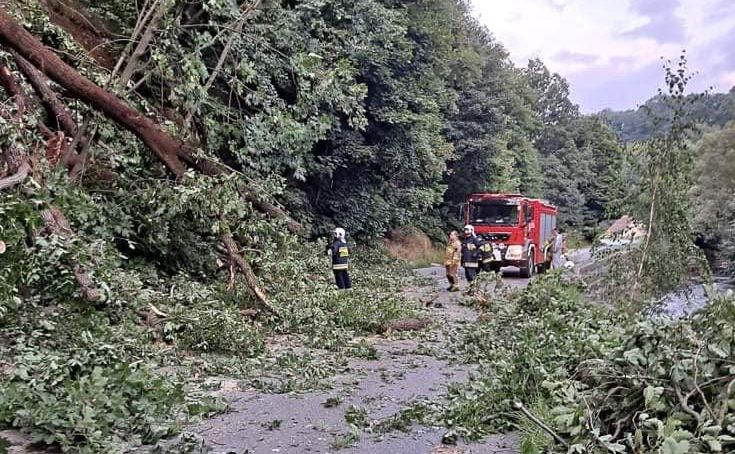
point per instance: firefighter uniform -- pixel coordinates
(486, 255)
(452, 259)
(471, 256)
(341, 252)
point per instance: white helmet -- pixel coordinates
(340, 233)
(469, 229)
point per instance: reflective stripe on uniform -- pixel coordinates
(341, 266)
(471, 265)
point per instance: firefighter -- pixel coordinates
(340, 252)
(486, 255)
(470, 253)
(452, 259)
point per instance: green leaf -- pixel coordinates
(671, 446)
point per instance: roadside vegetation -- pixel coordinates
(572, 375)
(170, 171)
(93, 379)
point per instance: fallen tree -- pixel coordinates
(171, 151)
(33, 59)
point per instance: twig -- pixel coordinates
(619, 426)
(140, 82)
(519, 406)
(684, 404)
(696, 375)
(157, 311)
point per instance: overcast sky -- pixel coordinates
(610, 50)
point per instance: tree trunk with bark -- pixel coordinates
(58, 111)
(162, 144)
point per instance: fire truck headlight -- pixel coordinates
(514, 252)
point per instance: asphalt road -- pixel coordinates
(381, 386)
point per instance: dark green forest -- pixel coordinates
(171, 172)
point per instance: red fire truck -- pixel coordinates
(517, 226)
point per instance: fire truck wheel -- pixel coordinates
(527, 271)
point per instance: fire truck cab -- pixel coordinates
(518, 228)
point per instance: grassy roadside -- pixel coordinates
(414, 248)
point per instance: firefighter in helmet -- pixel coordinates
(341, 252)
(470, 253)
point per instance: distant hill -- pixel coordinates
(715, 109)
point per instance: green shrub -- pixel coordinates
(214, 330)
(87, 400)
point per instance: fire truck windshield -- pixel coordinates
(493, 214)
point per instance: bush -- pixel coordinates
(214, 330)
(530, 338)
(87, 400)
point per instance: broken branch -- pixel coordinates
(247, 272)
(49, 99)
(17, 178)
(56, 223)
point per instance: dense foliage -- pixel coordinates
(712, 109)
(121, 273)
(713, 206)
(707, 168)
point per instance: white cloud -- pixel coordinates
(710, 34)
(551, 29)
(600, 41)
(727, 79)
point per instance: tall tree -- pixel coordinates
(491, 132)
(712, 199)
(580, 155)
